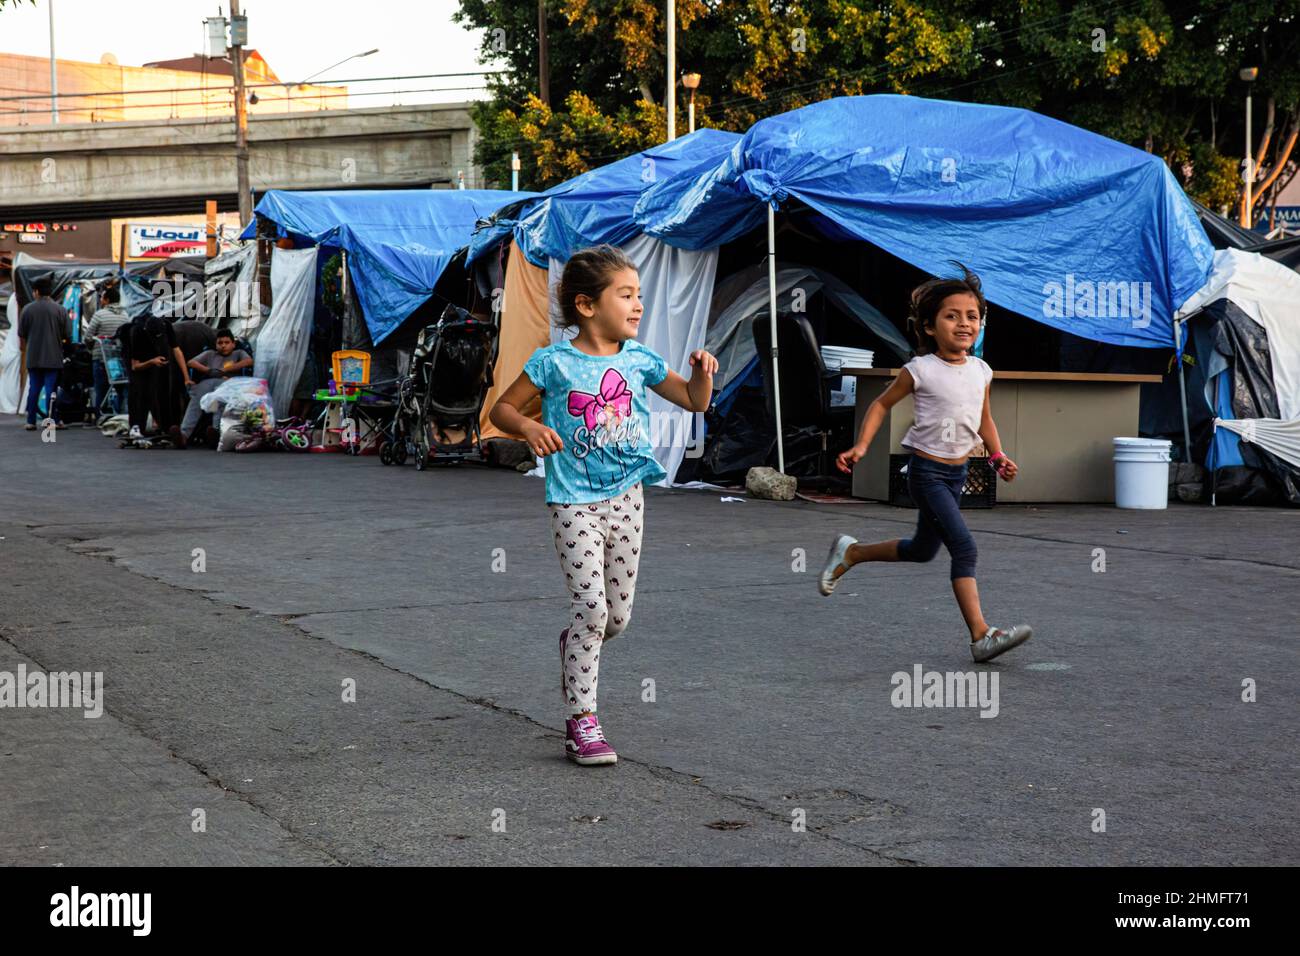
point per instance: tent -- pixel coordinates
(1226, 234)
(740, 430)
(1244, 329)
(398, 242)
(596, 207)
(64, 272)
(744, 296)
(1064, 226)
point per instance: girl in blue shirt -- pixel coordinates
(595, 437)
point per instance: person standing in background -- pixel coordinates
(108, 318)
(43, 327)
(194, 338)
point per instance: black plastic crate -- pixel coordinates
(979, 491)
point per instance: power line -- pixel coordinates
(248, 86)
(306, 98)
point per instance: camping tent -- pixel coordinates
(740, 427)
(398, 242)
(1064, 226)
(1245, 330)
(1035, 205)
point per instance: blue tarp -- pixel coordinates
(1058, 222)
(398, 241)
(597, 206)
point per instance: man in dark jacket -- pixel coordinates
(43, 327)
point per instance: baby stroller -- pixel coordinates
(76, 384)
(451, 372)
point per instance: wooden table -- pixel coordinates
(1057, 427)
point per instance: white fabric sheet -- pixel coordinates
(12, 392)
(280, 348)
(677, 288)
(1279, 437)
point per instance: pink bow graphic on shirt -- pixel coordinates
(614, 397)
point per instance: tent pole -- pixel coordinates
(1182, 391)
(1214, 472)
(776, 368)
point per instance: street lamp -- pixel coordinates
(354, 56)
(1248, 75)
(691, 81)
(288, 87)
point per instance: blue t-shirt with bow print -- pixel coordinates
(597, 405)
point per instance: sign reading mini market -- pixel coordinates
(160, 240)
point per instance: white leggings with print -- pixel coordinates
(599, 546)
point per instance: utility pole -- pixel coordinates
(671, 98)
(54, 72)
(543, 66)
(238, 36)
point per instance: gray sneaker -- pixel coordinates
(997, 641)
(826, 583)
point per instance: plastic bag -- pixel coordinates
(237, 396)
(245, 407)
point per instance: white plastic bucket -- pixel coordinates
(1142, 472)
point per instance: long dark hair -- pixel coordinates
(588, 273)
(927, 298)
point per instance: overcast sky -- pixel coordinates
(296, 37)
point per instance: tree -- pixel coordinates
(1158, 74)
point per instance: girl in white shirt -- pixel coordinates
(951, 394)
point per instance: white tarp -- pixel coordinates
(230, 289)
(1269, 294)
(12, 392)
(280, 348)
(676, 288)
(1279, 437)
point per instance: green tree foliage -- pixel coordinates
(1161, 75)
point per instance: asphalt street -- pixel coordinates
(742, 703)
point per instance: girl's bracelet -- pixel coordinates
(995, 457)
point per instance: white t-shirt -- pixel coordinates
(949, 402)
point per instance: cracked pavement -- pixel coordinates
(223, 688)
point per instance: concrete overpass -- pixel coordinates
(156, 168)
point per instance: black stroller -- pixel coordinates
(76, 384)
(451, 372)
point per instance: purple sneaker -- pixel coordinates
(585, 742)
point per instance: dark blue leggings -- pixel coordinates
(936, 490)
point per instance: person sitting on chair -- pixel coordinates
(210, 369)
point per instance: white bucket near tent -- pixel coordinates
(1142, 472)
